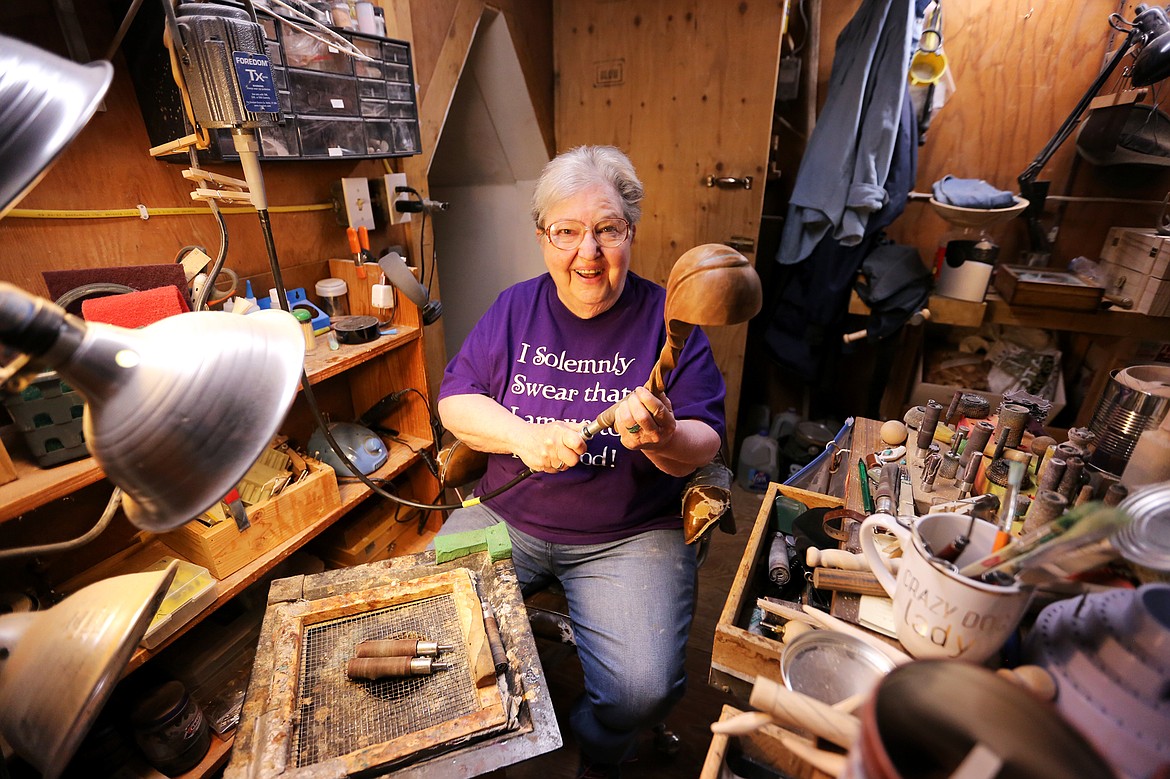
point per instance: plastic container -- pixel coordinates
(49, 414)
(784, 424)
(170, 729)
(191, 590)
(758, 462)
(333, 294)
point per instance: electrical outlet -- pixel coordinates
(390, 181)
(355, 206)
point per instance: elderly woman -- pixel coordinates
(601, 517)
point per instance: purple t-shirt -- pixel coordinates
(541, 362)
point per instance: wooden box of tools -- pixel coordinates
(223, 549)
(1021, 285)
(770, 747)
(738, 656)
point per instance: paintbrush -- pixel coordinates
(1007, 513)
(1024, 544)
(1097, 523)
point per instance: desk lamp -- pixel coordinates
(175, 415)
(1149, 34)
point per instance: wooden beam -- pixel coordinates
(445, 78)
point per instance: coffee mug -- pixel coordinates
(939, 613)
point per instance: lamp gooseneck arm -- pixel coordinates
(1036, 192)
(30, 324)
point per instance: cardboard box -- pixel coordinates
(223, 549)
(924, 390)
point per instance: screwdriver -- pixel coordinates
(400, 647)
(369, 668)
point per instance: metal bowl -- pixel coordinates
(832, 666)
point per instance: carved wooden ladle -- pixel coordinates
(711, 284)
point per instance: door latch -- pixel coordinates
(742, 244)
(729, 182)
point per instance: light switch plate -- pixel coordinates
(359, 210)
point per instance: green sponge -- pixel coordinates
(494, 540)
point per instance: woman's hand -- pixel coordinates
(645, 420)
(646, 423)
(551, 447)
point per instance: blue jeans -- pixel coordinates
(631, 604)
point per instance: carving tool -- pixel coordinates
(400, 647)
(967, 480)
(951, 551)
(927, 427)
(373, 668)
(885, 499)
(235, 505)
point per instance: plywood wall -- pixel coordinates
(108, 165)
(1019, 68)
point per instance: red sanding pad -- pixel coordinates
(135, 309)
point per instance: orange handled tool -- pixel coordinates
(364, 240)
(355, 248)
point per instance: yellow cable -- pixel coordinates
(112, 213)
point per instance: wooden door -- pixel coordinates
(686, 88)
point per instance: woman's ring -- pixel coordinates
(561, 466)
(634, 428)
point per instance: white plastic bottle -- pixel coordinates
(784, 424)
(758, 465)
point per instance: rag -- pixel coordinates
(971, 193)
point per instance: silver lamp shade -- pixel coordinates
(176, 412)
(60, 665)
(45, 100)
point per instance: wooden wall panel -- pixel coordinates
(530, 24)
(686, 89)
(1019, 67)
(108, 166)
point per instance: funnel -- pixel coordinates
(709, 285)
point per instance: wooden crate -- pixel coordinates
(223, 549)
(762, 747)
(371, 537)
(738, 656)
(1025, 286)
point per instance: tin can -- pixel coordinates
(170, 729)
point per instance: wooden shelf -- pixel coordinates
(401, 458)
(996, 310)
(34, 486)
(323, 363)
(215, 759)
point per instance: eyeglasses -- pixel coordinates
(569, 234)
